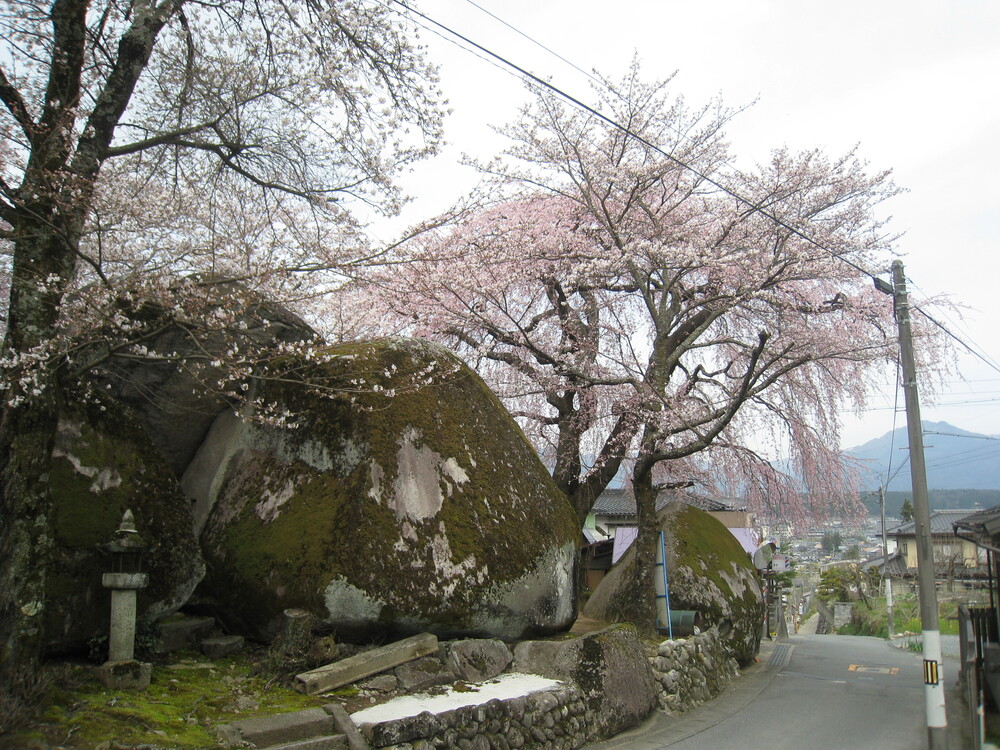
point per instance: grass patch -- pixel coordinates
(872, 619)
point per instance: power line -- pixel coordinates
(991, 364)
(944, 312)
(640, 139)
(960, 460)
(892, 440)
(534, 41)
(955, 434)
(526, 74)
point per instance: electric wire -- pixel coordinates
(892, 440)
(961, 460)
(967, 402)
(503, 63)
(537, 43)
(970, 437)
(987, 361)
(944, 312)
(756, 207)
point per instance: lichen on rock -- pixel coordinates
(428, 511)
(709, 572)
(103, 464)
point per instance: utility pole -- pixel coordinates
(886, 578)
(937, 722)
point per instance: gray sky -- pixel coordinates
(913, 83)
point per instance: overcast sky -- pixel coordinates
(913, 83)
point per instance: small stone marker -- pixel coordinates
(367, 663)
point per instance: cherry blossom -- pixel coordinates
(172, 163)
(635, 314)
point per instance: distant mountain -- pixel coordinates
(955, 458)
(939, 500)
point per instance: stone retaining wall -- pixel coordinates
(692, 670)
(688, 672)
(548, 720)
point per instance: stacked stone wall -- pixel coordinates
(692, 670)
(547, 720)
(688, 672)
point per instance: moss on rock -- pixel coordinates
(611, 669)
(711, 573)
(405, 499)
(103, 464)
(708, 571)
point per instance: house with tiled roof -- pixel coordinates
(958, 563)
(616, 507)
(611, 526)
(949, 549)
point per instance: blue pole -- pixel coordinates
(666, 589)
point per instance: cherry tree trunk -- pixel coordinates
(28, 423)
(28, 433)
(635, 599)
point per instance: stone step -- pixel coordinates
(183, 633)
(279, 729)
(331, 742)
(223, 645)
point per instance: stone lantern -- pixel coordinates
(121, 670)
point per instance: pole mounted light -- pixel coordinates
(883, 286)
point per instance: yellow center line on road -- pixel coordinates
(872, 670)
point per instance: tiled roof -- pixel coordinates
(941, 523)
(986, 520)
(620, 502)
(895, 564)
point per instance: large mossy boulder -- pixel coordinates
(404, 499)
(176, 397)
(103, 464)
(709, 572)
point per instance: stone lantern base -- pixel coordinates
(124, 675)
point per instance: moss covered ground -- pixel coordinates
(187, 697)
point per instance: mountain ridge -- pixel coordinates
(955, 459)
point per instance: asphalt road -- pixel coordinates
(813, 691)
